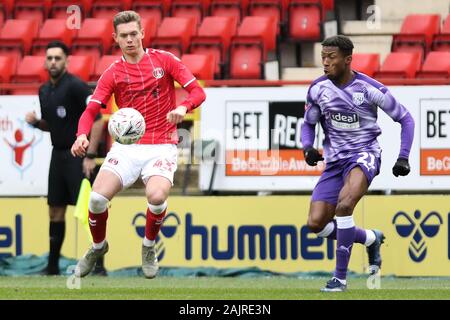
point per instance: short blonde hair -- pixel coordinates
(125, 17)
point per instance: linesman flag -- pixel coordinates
(81, 211)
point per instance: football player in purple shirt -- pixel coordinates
(346, 102)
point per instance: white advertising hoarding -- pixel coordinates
(247, 121)
(24, 151)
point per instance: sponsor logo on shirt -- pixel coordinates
(358, 98)
(158, 73)
(343, 120)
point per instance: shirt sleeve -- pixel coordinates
(104, 89)
(312, 116)
(312, 109)
(382, 98)
(186, 79)
(178, 70)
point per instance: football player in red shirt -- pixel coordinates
(144, 80)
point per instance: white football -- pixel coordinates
(126, 126)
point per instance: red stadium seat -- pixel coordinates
(190, 8)
(304, 21)
(59, 8)
(81, 66)
(441, 42)
(6, 68)
(416, 33)
(155, 9)
(32, 10)
(6, 8)
(53, 29)
(214, 37)
(367, 63)
(94, 38)
(436, 65)
(103, 64)
(229, 8)
(201, 65)
(174, 35)
(16, 37)
(246, 58)
(107, 9)
(267, 8)
(31, 69)
(400, 65)
(262, 27)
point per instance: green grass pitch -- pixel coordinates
(209, 288)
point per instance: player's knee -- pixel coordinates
(97, 203)
(157, 197)
(157, 208)
(345, 207)
(315, 225)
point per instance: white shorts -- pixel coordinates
(129, 162)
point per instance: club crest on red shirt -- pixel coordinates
(158, 73)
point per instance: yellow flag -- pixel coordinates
(81, 211)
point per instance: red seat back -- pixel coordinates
(19, 33)
(53, 29)
(264, 27)
(81, 66)
(367, 63)
(246, 58)
(31, 69)
(6, 68)
(201, 65)
(421, 24)
(304, 22)
(103, 64)
(436, 65)
(400, 65)
(95, 33)
(175, 31)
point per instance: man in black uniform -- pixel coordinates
(63, 99)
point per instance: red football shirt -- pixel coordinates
(147, 86)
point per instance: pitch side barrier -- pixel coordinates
(244, 231)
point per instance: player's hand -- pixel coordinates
(312, 156)
(31, 117)
(401, 167)
(177, 115)
(80, 146)
(88, 167)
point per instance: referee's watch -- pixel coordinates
(90, 155)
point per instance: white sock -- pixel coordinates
(370, 238)
(341, 281)
(345, 222)
(148, 243)
(329, 228)
(99, 245)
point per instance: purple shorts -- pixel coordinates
(332, 179)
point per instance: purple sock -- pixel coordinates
(345, 240)
(360, 234)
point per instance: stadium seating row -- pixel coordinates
(396, 65)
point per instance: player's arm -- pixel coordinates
(101, 95)
(308, 132)
(196, 94)
(82, 93)
(399, 114)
